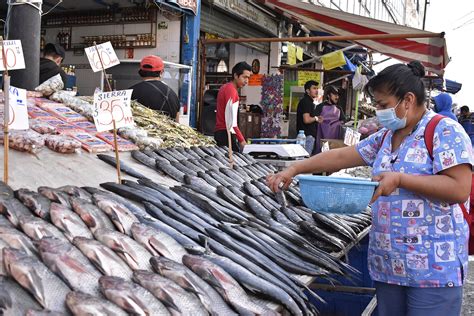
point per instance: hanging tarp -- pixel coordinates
(432, 52)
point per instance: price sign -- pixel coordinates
(351, 137)
(14, 55)
(106, 53)
(18, 109)
(109, 106)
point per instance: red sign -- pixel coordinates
(255, 80)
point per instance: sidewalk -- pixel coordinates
(468, 300)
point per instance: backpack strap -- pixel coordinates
(465, 213)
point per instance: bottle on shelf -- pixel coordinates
(301, 139)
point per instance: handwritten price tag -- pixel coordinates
(14, 55)
(351, 137)
(106, 53)
(109, 106)
(18, 109)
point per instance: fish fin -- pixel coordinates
(32, 282)
(168, 301)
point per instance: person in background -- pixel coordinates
(466, 119)
(306, 118)
(50, 63)
(418, 244)
(330, 126)
(154, 93)
(443, 105)
(240, 77)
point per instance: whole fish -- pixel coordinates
(6, 192)
(263, 188)
(37, 228)
(47, 288)
(252, 190)
(77, 192)
(176, 299)
(130, 193)
(233, 174)
(219, 175)
(131, 206)
(163, 153)
(12, 209)
(120, 215)
(211, 160)
(144, 159)
(197, 181)
(68, 222)
(191, 282)
(210, 180)
(188, 164)
(70, 264)
(320, 234)
(171, 171)
(123, 166)
(336, 225)
(131, 297)
(199, 151)
(136, 256)
(14, 300)
(150, 153)
(104, 258)
(207, 150)
(82, 304)
(182, 168)
(55, 195)
(292, 216)
(192, 212)
(43, 312)
(92, 216)
(179, 153)
(158, 242)
(146, 191)
(188, 152)
(225, 284)
(36, 202)
(179, 214)
(202, 163)
(17, 240)
(219, 178)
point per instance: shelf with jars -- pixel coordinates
(147, 40)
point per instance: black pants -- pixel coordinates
(222, 140)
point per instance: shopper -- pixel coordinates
(154, 93)
(228, 95)
(306, 118)
(443, 104)
(332, 117)
(418, 242)
(50, 63)
(466, 119)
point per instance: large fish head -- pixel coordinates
(48, 192)
(111, 283)
(74, 298)
(142, 231)
(53, 246)
(141, 276)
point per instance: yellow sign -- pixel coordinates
(304, 76)
(291, 54)
(299, 53)
(333, 60)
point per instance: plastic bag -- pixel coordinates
(29, 141)
(62, 144)
(369, 126)
(51, 85)
(42, 127)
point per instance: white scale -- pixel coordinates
(276, 151)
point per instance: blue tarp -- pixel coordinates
(447, 85)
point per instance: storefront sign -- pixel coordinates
(291, 55)
(110, 106)
(351, 137)
(186, 4)
(14, 55)
(107, 54)
(304, 76)
(18, 109)
(249, 13)
(255, 80)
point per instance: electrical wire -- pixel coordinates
(58, 3)
(7, 19)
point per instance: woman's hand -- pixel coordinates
(388, 182)
(281, 180)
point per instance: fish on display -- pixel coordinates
(158, 242)
(120, 215)
(55, 195)
(17, 240)
(82, 304)
(68, 222)
(123, 166)
(136, 256)
(44, 312)
(47, 288)
(77, 192)
(104, 258)
(92, 216)
(176, 299)
(191, 282)
(131, 297)
(144, 159)
(37, 228)
(36, 202)
(13, 209)
(14, 300)
(70, 264)
(6, 192)
(5, 222)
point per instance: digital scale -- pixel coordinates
(276, 151)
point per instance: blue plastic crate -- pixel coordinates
(336, 195)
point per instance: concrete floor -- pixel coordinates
(468, 300)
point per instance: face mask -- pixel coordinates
(389, 119)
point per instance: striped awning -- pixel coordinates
(431, 52)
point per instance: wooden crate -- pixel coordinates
(250, 124)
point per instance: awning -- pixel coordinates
(447, 85)
(432, 52)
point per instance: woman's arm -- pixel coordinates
(330, 161)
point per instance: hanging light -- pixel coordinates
(222, 66)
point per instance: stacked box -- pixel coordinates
(36, 112)
(86, 126)
(123, 144)
(61, 126)
(90, 143)
(65, 114)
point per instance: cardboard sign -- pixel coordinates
(304, 76)
(299, 53)
(291, 55)
(231, 111)
(106, 52)
(255, 80)
(14, 55)
(333, 60)
(110, 106)
(18, 109)
(351, 137)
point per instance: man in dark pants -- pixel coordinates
(228, 92)
(306, 118)
(154, 93)
(50, 63)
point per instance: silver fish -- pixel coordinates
(92, 216)
(44, 312)
(177, 299)
(68, 222)
(17, 240)
(131, 297)
(5, 222)
(117, 212)
(104, 258)
(47, 288)
(158, 242)
(36, 202)
(128, 249)
(14, 300)
(70, 264)
(77, 192)
(12, 209)
(37, 228)
(55, 195)
(82, 304)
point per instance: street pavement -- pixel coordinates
(468, 299)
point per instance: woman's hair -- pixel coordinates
(398, 80)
